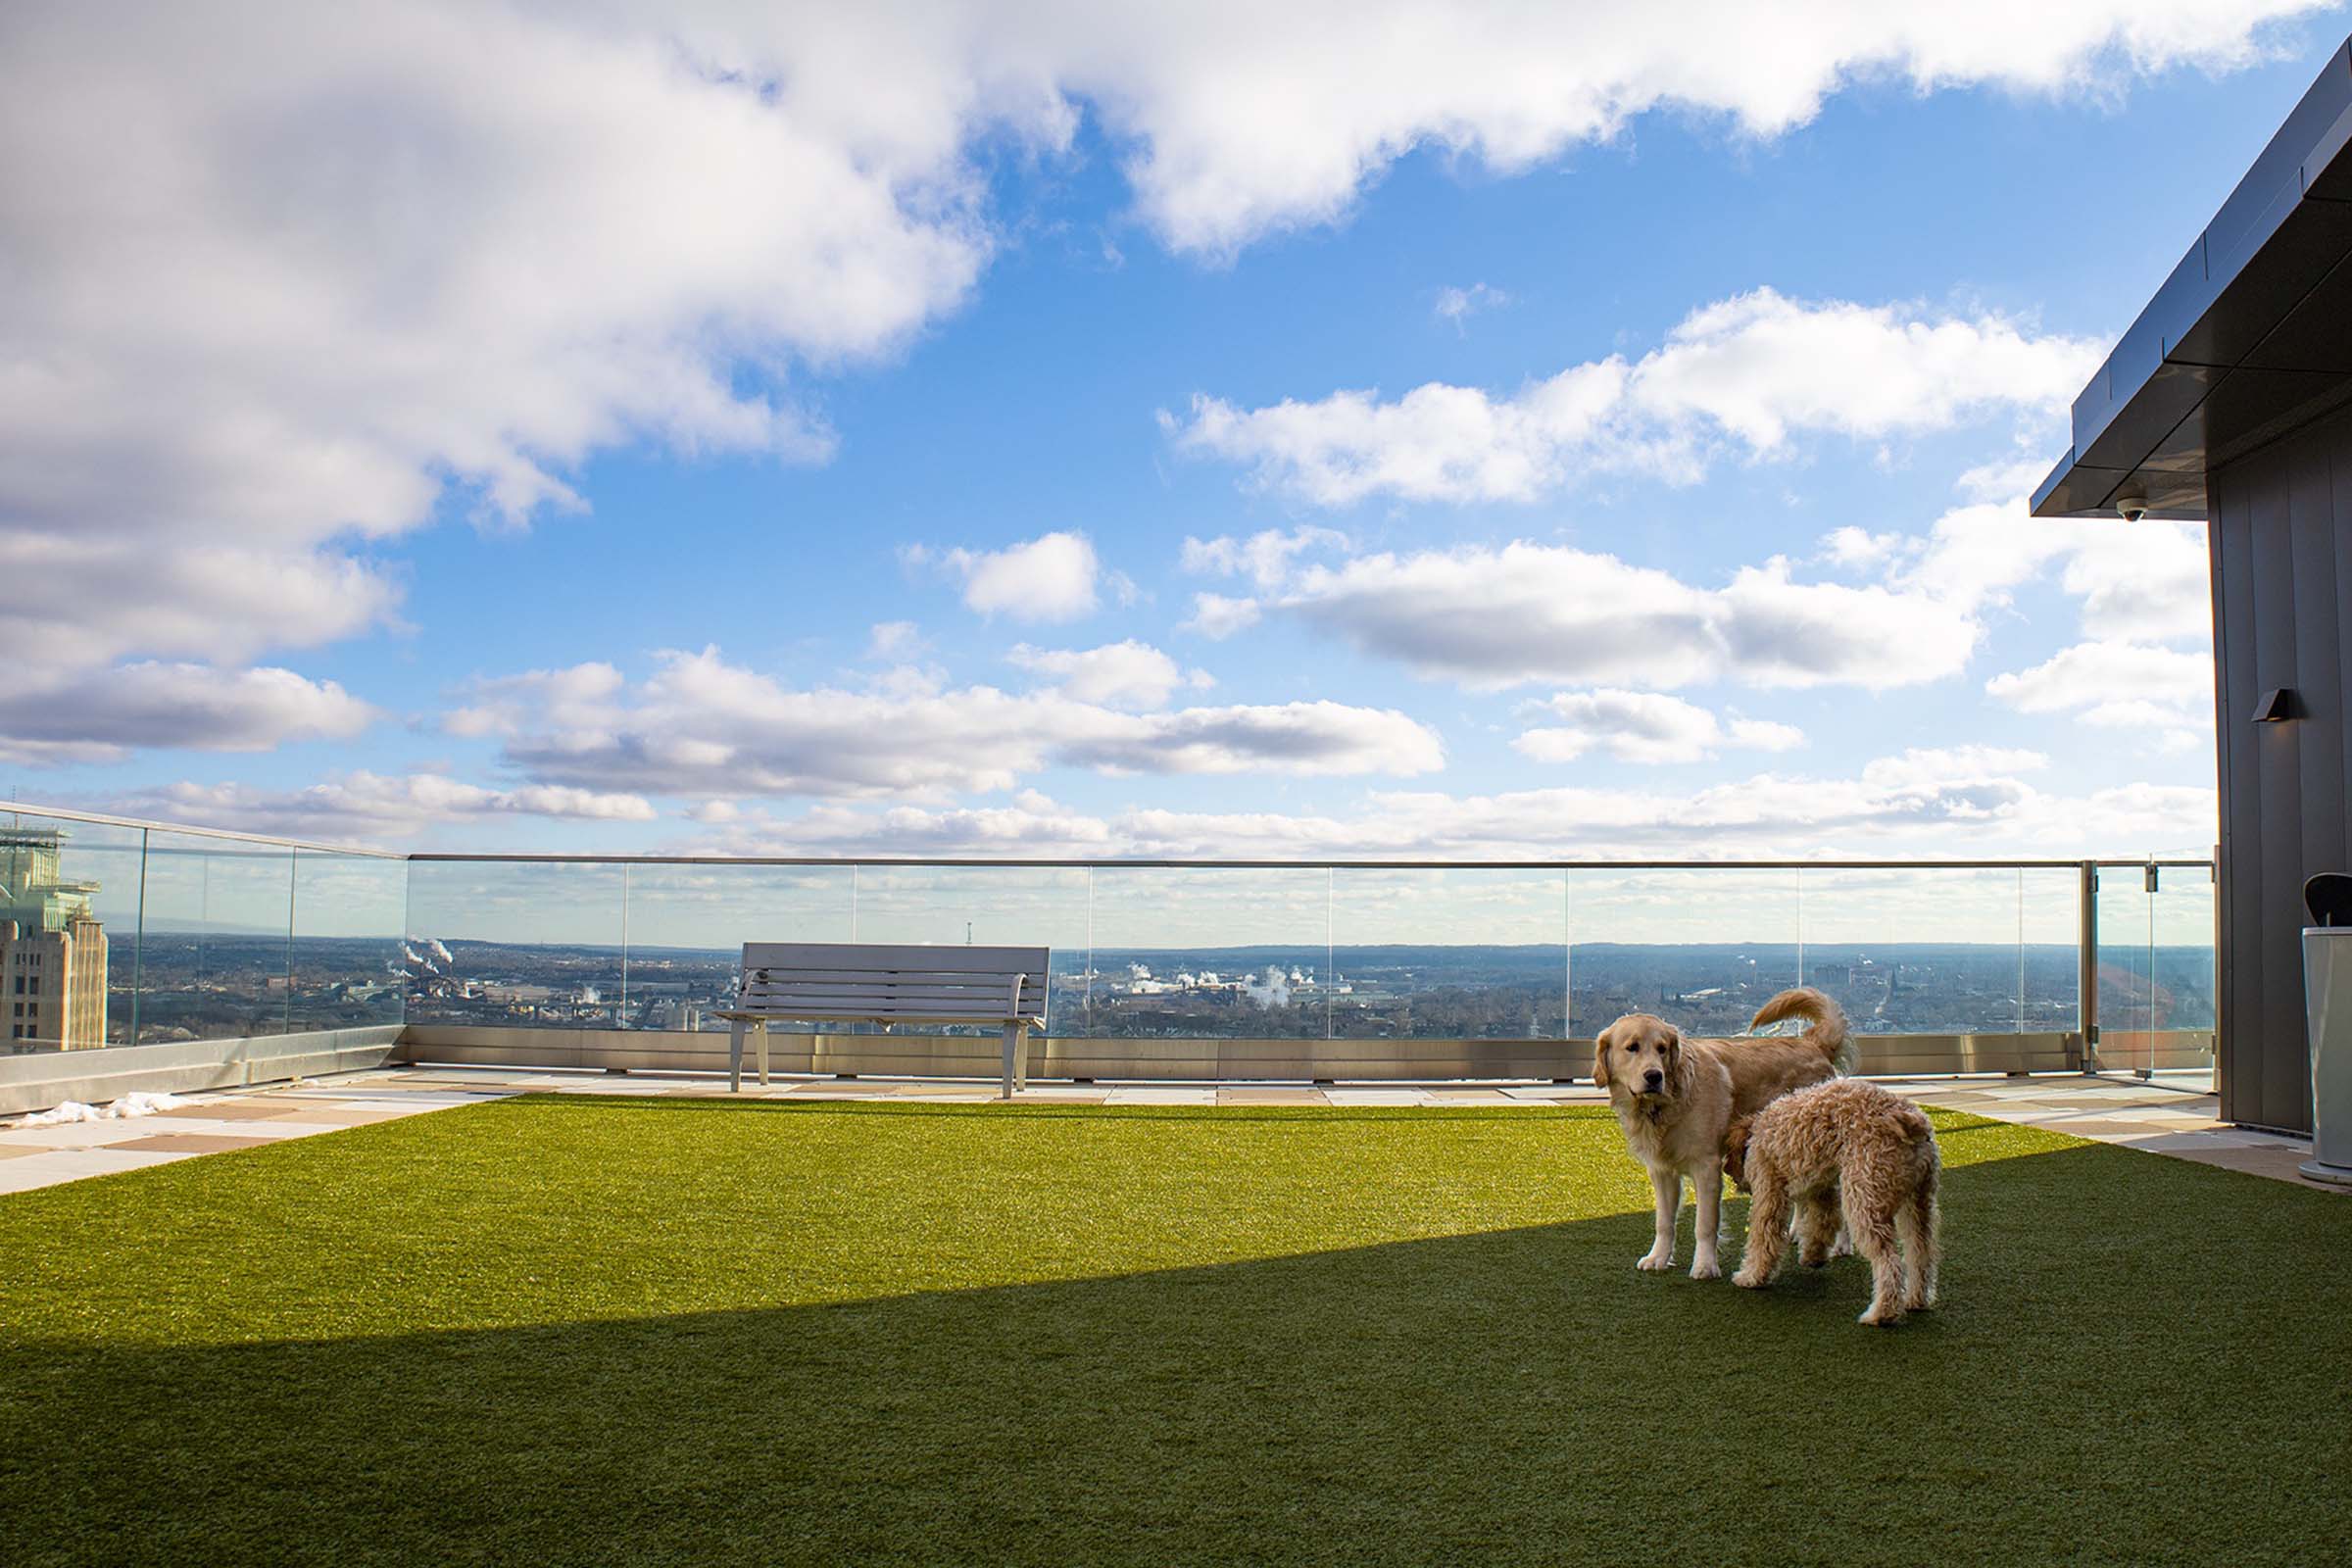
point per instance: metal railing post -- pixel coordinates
(2086, 958)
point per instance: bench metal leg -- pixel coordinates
(734, 1056)
(761, 1026)
(1012, 1054)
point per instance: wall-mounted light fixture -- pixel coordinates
(2277, 706)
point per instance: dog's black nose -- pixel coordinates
(1653, 1078)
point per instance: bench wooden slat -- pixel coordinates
(998, 986)
(999, 996)
(867, 1009)
(970, 979)
(845, 1018)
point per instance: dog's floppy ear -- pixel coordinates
(1675, 1059)
(1600, 1060)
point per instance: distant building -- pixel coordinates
(52, 950)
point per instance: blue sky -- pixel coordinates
(703, 429)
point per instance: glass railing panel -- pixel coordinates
(1449, 955)
(1915, 951)
(213, 960)
(2051, 927)
(2180, 948)
(349, 969)
(69, 892)
(990, 905)
(1192, 953)
(687, 924)
(1701, 948)
(2126, 999)
(515, 944)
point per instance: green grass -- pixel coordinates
(553, 1329)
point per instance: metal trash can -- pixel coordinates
(2327, 1017)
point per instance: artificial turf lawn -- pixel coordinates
(575, 1330)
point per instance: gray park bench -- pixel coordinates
(857, 982)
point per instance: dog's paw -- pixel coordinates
(1705, 1268)
(1749, 1279)
(1879, 1317)
(1656, 1262)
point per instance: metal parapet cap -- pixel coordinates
(2249, 338)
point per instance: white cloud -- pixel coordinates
(2113, 683)
(1121, 675)
(1457, 304)
(893, 639)
(250, 318)
(1850, 546)
(2149, 582)
(1959, 802)
(254, 322)
(1250, 118)
(1052, 577)
(573, 701)
(1745, 374)
(699, 727)
(1644, 727)
(2005, 477)
(371, 807)
(72, 598)
(1031, 824)
(2146, 582)
(1494, 617)
(1217, 616)
(1489, 617)
(102, 716)
(2140, 585)
(1266, 557)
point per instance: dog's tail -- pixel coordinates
(1827, 1032)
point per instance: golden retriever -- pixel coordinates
(1850, 1148)
(1676, 1099)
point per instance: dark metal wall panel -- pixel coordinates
(2278, 772)
(2282, 606)
(2235, 896)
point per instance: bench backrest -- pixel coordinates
(870, 981)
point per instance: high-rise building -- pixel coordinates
(52, 949)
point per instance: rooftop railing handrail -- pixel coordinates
(1116, 864)
(1107, 863)
(65, 813)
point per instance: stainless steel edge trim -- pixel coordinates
(68, 814)
(429, 856)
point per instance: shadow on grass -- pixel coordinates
(2133, 1358)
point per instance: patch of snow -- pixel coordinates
(132, 1104)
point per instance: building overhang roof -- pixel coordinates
(2250, 336)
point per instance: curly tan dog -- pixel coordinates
(1850, 1148)
(1676, 1099)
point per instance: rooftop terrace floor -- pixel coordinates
(644, 1325)
(2173, 1115)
